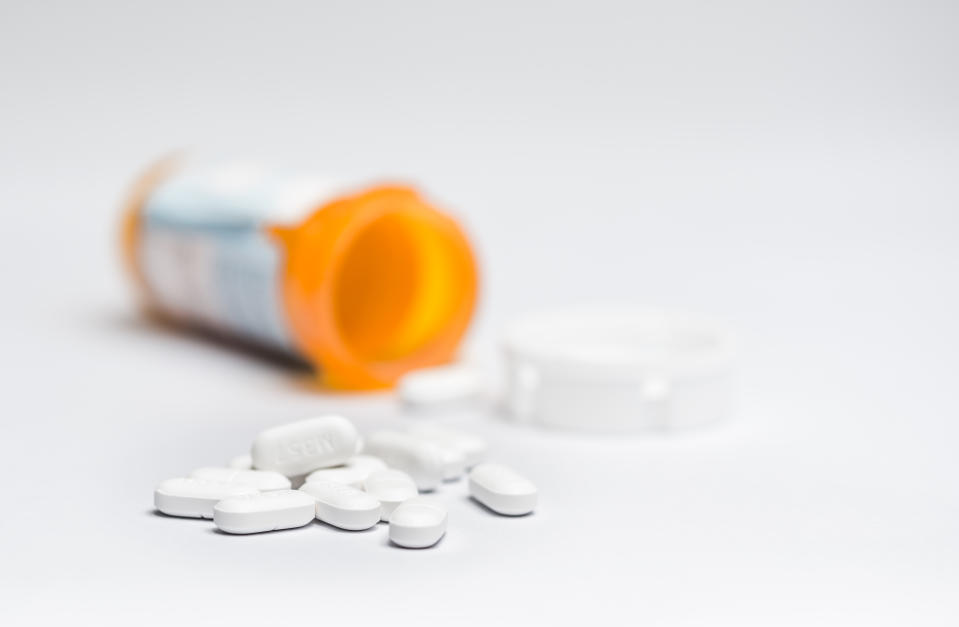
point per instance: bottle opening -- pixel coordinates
(376, 290)
(402, 282)
(376, 285)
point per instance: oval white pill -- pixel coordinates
(194, 498)
(454, 463)
(502, 490)
(390, 488)
(267, 511)
(303, 446)
(366, 463)
(263, 480)
(340, 474)
(418, 523)
(353, 473)
(421, 460)
(241, 462)
(440, 385)
(473, 447)
(343, 506)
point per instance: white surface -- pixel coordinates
(787, 167)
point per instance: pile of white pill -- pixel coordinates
(345, 483)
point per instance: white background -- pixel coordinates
(790, 168)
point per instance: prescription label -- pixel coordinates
(204, 251)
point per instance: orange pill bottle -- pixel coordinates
(364, 283)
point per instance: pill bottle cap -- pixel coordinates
(618, 370)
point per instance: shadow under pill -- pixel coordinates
(327, 526)
(216, 530)
(494, 512)
(158, 514)
(389, 543)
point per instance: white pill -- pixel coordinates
(267, 511)
(194, 498)
(353, 473)
(262, 480)
(241, 462)
(366, 463)
(303, 446)
(454, 463)
(502, 490)
(343, 506)
(473, 447)
(418, 523)
(341, 475)
(390, 488)
(419, 458)
(440, 385)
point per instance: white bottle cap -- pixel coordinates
(618, 370)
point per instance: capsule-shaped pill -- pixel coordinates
(267, 511)
(263, 480)
(301, 447)
(418, 523)
(194, 498)
(421, 460)
(353, 473)
(440, 385)
(365, 464)
(343, 506)
(502, 490)
(473, 447)
(241, 462)
(454, 463)
(390, 488)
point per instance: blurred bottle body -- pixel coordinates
(366, 285)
